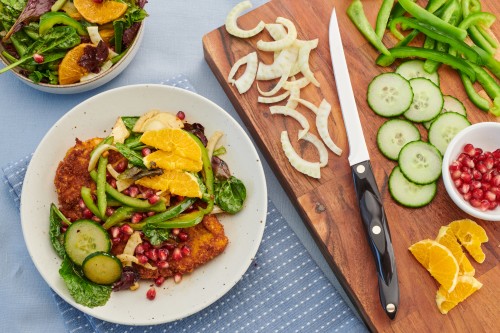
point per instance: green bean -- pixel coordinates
(101, 185)
(166, 215)
(121, 214)
(182, 221)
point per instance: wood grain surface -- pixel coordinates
(328, 206)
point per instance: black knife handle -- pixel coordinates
(379, 237)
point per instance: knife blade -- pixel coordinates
(367, 193)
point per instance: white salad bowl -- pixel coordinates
(92, 83)
(484, 135)
(94, 118)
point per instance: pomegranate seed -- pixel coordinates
(476, 174)
(455, 166)
(142, 258)
(475, 203)
(481, 157)
(109, 211)
(150, 213)
(87, 213)
(495, 191)
(466, 177)
(469, 150)
(162, 264)
(490, 196)
(186, 251)
(95, 219)
(121, 166)
(159, 281)
(127, 229)
(38, 58)
(147, 192)
(467, 196)
(181, 115)
(475, 184)
(485, 186)
(112, 182)
(477, 193)
(151, 293)
(468, 162)
(461, 157)
(136, 218)
(177, 277)
(139, 249)
(456, 174)
(485, 205)
(145, 151)
(495, 181)
(151, 254)
(63, 229)
(183, 236)
(464, 188)
(489, 162)
(177, 254)
(133, 191)
(81, 203)
(115, 232)
(487, 177)
(496, 154)
(154, 199)
(175, 231)
(170, 247)
(493, 205)
(146, 246)
(162, 254)
(116, 240)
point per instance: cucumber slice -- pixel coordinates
(415, 68)
(451, 104)
(410, 194)
(102, 268)
(427, 100)
(420, 162)
(84, 237)
(393, 135)
(389, 95)
(444, 129)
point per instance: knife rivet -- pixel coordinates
(376, 230)
(360, 168)
(390, 308)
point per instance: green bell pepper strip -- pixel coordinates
(489, 62)
(89, 202)
(481, 18)
(182, 221)
(424, 16)
(478, 39)
(489, 84)
(208, 174)
(139, 204)
(486, 33)
(166, 215)
(475, 98)
(121, 214)
(444, 58)
(438, 35)
(49, 19)
(101, 185)
(383, 17)
(357, 15)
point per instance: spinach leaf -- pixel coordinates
(82, 290)
(230, 194)
(56, 237)
(129, 122)
(131, 155)
(156, 236)
(10, 11)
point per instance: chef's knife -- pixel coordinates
(367, 193)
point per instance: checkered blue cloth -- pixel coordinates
(283, 290)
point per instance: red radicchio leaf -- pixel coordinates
(93, 57)
(130, 33)
(141, 3)
(33, 10)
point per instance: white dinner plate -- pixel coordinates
(95, 118)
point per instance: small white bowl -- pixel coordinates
(484, 135)
(93, 83)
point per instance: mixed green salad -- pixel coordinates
(67, 41)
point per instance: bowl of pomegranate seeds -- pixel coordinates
(471, 170)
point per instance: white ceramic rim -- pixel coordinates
(448, 183)
(248, 235)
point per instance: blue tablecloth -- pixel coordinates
(171, 45)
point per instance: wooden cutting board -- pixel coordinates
(328, 206)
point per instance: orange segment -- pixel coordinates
(169, 161)
(100, 13)
(471, 235)
(447, 238)
(175, 141)
(466, 286)
(69, 70)
(176, 182)
(439, 262)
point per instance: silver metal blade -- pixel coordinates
(358, 152)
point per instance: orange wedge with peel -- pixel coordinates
(100, 13)
(471, 235)
(174, 181)
(439, 262)
(447, 238)
(69, 70)
(466, 286)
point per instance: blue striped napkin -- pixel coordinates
(283, 290)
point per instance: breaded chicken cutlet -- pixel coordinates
(205, 241)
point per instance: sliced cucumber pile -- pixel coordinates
(413, 182)
(444, 129)
(407, 193)
(84, 237)
(389, 95)
(393, 135)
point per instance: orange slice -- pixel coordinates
(69, 70)
(175, 181)
(447, 238)
(174, 141)
(100, 13)
(471, 235)
(439, 262)
(466, 286)
(170, 161)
